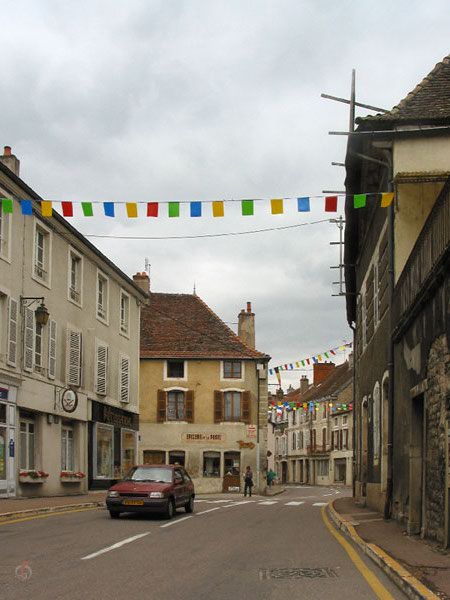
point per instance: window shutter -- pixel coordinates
(101, 370)
(340, 439)
(73, 357)
(246, 407)
(28, 354)
(332, 440)
(52, 350)
(161, 410)
(218, 407)
(189, 406)
(124, 379)
(12, 332)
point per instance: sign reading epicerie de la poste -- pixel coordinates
(204, 437)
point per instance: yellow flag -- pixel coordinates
(297, 364)
(319, 357)
(217, 208)
(46, 208)
(132, 210)
(277, 206)
(386, 199)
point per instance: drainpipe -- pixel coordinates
(391, 275)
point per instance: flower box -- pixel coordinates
(71, 476)
(32, 476)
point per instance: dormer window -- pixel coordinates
(232, 369)
(175, 369)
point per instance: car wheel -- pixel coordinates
(189, 507)
(170, 509)
(114, 514)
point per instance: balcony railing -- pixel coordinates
(430, 247)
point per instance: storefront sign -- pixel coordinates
(114, 416)
(251, 431)
(204, 437)
(3, 394)
(243, 444)
(69, 400)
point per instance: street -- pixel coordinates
(231, 547)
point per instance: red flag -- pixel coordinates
(67, 209)
(152, 209)
(331, 203)
(307, 360)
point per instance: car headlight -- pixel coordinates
(156, 495)
(113, 494)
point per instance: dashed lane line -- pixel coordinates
(268, 502)
(294, 503)
(115, 546)
(177, 521)
(209, 510)
(320, 504)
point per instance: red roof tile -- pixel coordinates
(338, 379)
(183, 326)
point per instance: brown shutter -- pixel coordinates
(332, 440)
(190, 406)
(218, 407)
(340, 439)
(245, 416)
(161, 410)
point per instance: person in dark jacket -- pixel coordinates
(248, 481)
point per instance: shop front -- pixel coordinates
(7, 441)
(113, 437)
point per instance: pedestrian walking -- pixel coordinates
(271, 475)
(248, 481)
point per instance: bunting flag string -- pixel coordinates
(279, 406)
(277, 205)
(306, 362)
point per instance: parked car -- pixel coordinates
(152, 488)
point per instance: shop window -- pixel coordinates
(67, 448)
(177, 457)
(27, 444)
(154, 457)
(232, 463)
(104, 443)
(128, 450)
(232, 369)
(211, 464)
(322, 468)
(175, 369)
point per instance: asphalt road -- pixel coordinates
(263, 549)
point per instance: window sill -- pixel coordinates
(72, 301)
(43, 282)
(177, 422)
(102, 320)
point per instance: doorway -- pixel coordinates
(416, 467)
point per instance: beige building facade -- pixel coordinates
(68, 379)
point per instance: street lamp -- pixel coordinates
(41, 313)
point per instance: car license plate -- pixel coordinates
(133, 502)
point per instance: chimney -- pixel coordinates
(246, 326)
(10, 161)
(304, 384)
(321, 371)
(142, 280)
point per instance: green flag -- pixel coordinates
(359, 200)
(174, 209)
(87, 209)
(247, 208)
(7, 205)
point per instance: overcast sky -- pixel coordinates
(151, 100)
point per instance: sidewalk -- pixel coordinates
(14, 507)
(419, 567)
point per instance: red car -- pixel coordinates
(152, 488)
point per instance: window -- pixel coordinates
(232, 406)
(102, 297)
(363, 319)
(52, 350)
(13, 314)
(124, 313)
(101, 368)
(175, 406)
(67, 448)
(376, 422)
(5, 233)
(27, 442)
(74, 348)
(211, 464)
(104, 438)
(38, 347)
(376, 294)
(322, 468)
(75, 276)
(177, 457)
(154, 457)
(42, 251)
(175, 369)
(232, 369)
(28, 339)
(128, 450)
(232, 463)
(344, 420)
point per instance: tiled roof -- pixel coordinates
(183, 326)
(337, 380)
(429, 102)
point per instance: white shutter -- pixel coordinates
(124, 382)
(101, 369)
(73, 375)
(12, 332)
(28, 353)
(52, 350)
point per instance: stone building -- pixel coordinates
(397, 280)
(69, 352)
(203, 393)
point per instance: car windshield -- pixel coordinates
(158, 474)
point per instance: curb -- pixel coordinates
(50, 509)
(409, 584)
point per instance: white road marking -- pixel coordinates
(325, 495)
(209, 510)
(268, 502)
(294, 503)
(320, 504)
(115, 546)
(177, 521)
(239, 503)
